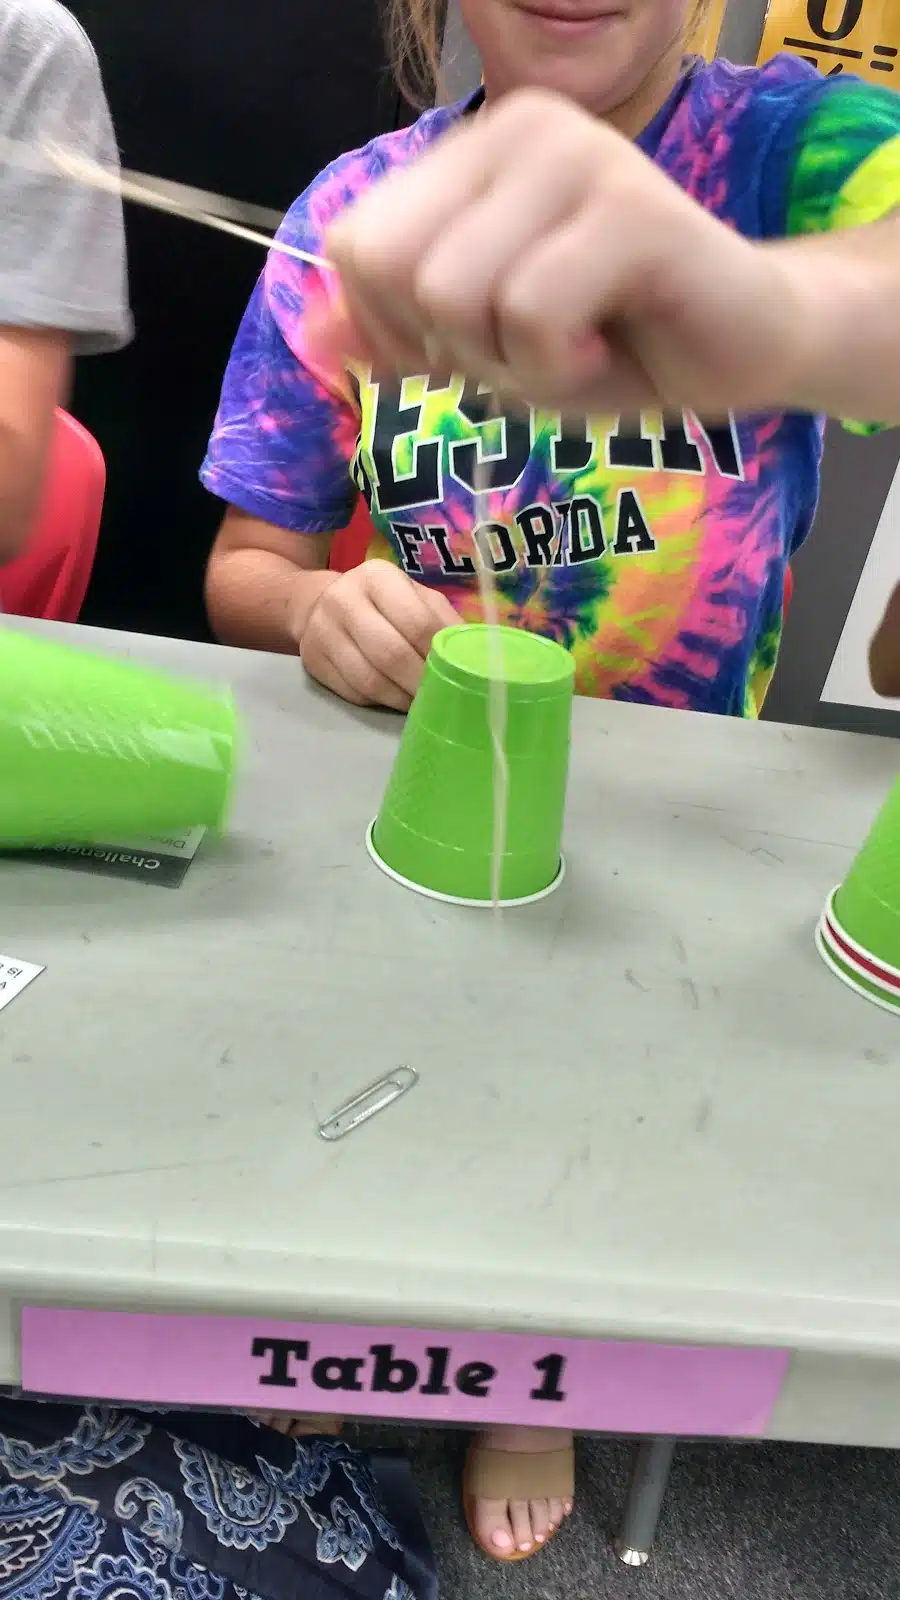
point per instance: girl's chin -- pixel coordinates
(561, 74)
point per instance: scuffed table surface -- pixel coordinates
(646, 1109)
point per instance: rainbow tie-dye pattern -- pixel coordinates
(656, 556)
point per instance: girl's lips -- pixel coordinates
(568, 25)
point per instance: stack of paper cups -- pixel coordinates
(858, 935)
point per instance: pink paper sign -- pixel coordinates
(401, 1373)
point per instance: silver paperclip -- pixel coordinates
(373, 1100)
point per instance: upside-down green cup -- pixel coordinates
(435, 828)
(856, 980)
(867, 905)
(93, 748)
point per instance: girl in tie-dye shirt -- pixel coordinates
(654, 546)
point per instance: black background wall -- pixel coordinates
(249, 98)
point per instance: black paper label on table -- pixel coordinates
(163, 862)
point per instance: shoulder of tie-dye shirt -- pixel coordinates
(715, 143)
(295, 289)
(337, 186)
(351, 174)
(847, 158)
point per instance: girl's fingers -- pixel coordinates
(408, 607)
(393, 340)
(380, 241)
(394, 223)
(332, 336)
(345, 670)
(386, 232)
(420, 253)
(569, 346)
(326, 673)
(368, 637)
(387, 652)
(455, 262)
(442, 610)
(457, 284)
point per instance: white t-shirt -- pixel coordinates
(62, 245)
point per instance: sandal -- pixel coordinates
(515, 1475)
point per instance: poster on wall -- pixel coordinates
(861, 36)
(706, 39)
(847, 683)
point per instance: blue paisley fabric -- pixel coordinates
(105, 1504)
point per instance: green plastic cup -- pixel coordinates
(93, 748)
(870, 923)
(434, 831)
(854, 979)
(867, 905)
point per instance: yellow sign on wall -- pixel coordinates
(706, 38)
(861, 36)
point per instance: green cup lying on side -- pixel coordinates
(435, 827)
(93, 748)
(867, 905)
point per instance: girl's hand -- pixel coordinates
(369, 632)
(536, 249)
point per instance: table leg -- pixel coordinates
(649, 1479)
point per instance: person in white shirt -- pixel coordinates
(63, 277)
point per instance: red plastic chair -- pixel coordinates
(349, 547)
(49, 578)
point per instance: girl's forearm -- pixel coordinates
(847, 289)
(260, 600)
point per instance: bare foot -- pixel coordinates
(296, 1427)
(511, 1526)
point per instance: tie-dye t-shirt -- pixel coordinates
(655, 553)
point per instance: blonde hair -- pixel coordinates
(415, 36)
(415, 33)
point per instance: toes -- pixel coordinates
(540, 1521)
(519, 1526)
(302, 1427)
(282, 1422)
(520, 1519)
(493, 1527)
(559, 1510)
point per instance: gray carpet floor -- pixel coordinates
(758, 1522)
